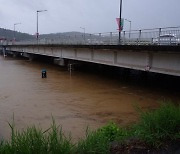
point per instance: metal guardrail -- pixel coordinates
(157, 36)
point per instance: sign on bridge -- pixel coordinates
(122, 24)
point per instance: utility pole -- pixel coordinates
(120, 13)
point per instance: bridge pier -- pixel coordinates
(15, 54)
(31, 57)
(59, 61)
(4, 51)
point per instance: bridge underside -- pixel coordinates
(162, 59)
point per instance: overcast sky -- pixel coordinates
(94, 15)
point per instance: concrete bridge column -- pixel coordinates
(30, 56)
(15, 54)
(149, 61)
(59, 61)
(4, 51)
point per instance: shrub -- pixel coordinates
(98, 142)
(113, 132)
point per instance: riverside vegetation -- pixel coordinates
(155, 131)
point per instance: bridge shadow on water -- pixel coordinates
(134, 78)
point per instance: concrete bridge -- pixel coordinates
(160, 53)
(159, 59)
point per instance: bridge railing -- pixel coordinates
(157, 36)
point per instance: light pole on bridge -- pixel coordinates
(129, 27)
(37, 34)
(15, 29)
(84, 31)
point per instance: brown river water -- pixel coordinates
(77, 101)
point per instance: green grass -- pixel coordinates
(153, 128)
(94, 143)
(157, 126)
(36, 141)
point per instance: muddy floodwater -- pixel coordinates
(77, 101)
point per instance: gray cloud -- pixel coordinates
(95, 15)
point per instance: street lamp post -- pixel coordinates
(84, 31)
(37, 34)
(120, 13)
(15, 29)
(129, 27)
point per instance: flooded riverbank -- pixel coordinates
(77, 101)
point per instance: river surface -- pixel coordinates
(77, 101)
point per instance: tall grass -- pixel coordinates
(160, 125)
(94, 143)
(36, 141)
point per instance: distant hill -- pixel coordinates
(63, 35)
(9, 35)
